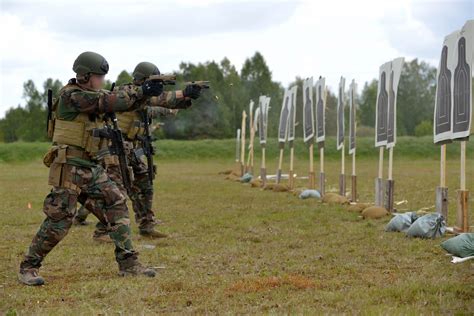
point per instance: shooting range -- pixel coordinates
(289, 158)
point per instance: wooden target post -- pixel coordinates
(283, 131)
(242, 147)
(264, 103)
(250, 159)
(453, 114)
(352, 138)
(379, 181)
(462, 220)
(442, 190)
(308, 127)
(340, 145)
(321, 95)
(291, 135)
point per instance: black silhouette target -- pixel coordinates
(443, 96)
(308, 123)
(320, 113)
(340, 118)
(382, 105)
(462, 91)
(283, 127)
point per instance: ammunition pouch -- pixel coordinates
(60, 174)
(130, 124)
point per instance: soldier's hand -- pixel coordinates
(152, 88)
(192, 91)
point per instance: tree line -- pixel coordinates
(217, 114)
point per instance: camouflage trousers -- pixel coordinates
(141, 194)
(101, 195)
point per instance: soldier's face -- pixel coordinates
(97, 81)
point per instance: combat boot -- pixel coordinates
(30, 277)
(148, 230)
(131, 267)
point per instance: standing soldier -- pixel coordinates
(76, 174)
(132, 127)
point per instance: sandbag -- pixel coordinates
(461, 246)
(428, 226)
(246, 178)
(357, 207)
(306, 194)
(374, 212)
(333, 198)
(401, 222)
(256, 183)
(269, 186)
(280, 188)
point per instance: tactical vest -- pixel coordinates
(77, 132)
(131, 125)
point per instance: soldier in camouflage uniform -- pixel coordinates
(76, 174)
(131, 124)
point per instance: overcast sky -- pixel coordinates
(41, 39)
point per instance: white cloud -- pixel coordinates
(40, 39)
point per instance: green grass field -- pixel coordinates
(234, 249)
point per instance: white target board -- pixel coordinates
(292, 116)
(321, 110)
(394, 79)
(308, 110)
(462, 82)
(442, 127)
(340, 113)
(284, 117)
(262, 118)
(381, 107)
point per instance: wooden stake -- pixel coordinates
(242, 148)
(462, 223)
(263, 168)
(442, 191)
(311, 165)
(251, 150)
(280, 163)
(342, 177)
(380, 162)
(354, 163)
(379, 192)
(322, 179)
(463, 165)
(390, 184)
(354, 178)
(443, 167)
(291, 180)
(390, 163)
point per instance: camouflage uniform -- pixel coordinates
(76, 175)
(142, 191)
